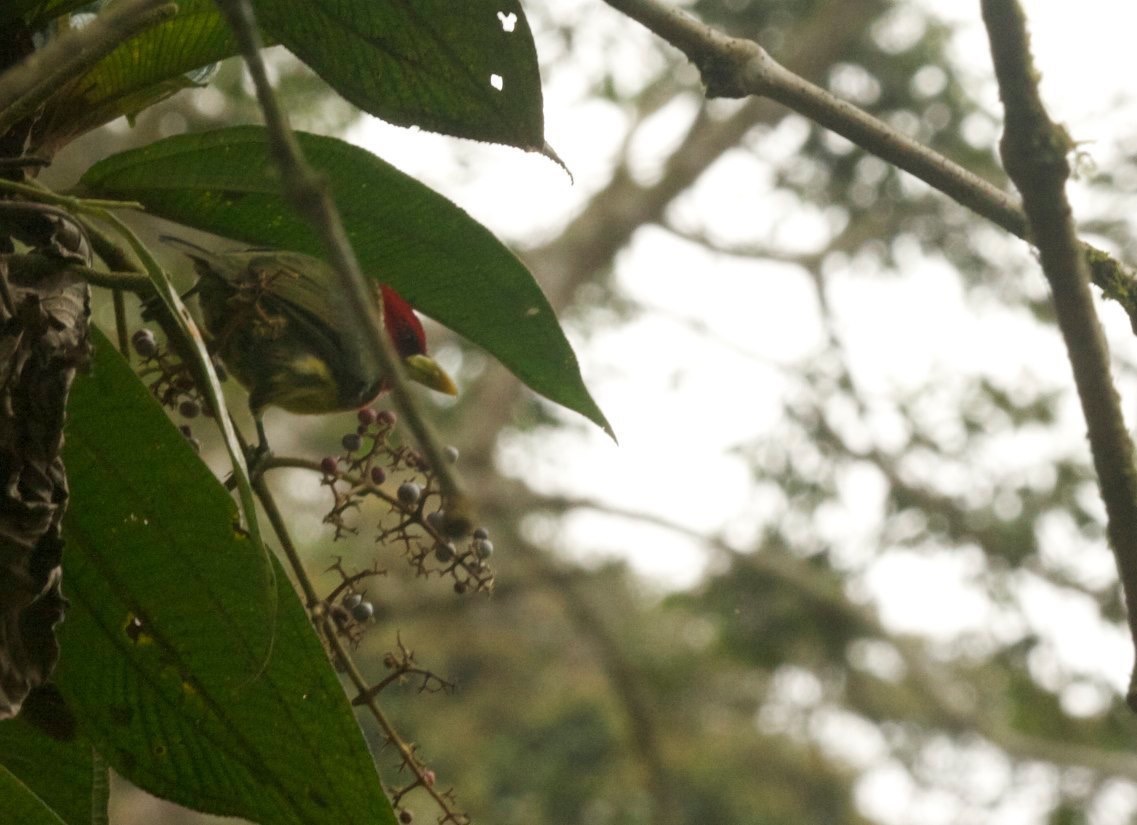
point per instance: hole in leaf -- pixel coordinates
(497, 81)
(508, 21)
(133, 629)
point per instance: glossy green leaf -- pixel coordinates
(140, 72)
(44, 780)
(427, 63)
(405, 234)
(184, 672)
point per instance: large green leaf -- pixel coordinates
(22, 805)
(45, 779)
(140, 72)
(429, 63)
(186, 675)
(405, 234)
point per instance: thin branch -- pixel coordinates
(406, 751)
(122, 334)
(735, 67)
(757, 251)
(1034, 152)
(310, 197)
(23, 162)
(130, 281)
(280, 528)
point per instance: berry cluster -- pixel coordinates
(372, 465)
(170, 380)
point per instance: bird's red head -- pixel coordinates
(406, 332)
(403, 326)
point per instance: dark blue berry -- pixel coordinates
(409, 493)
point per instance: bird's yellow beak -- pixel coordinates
(425, 370)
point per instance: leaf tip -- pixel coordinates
(549, 152)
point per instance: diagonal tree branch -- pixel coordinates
(735, 67)
(1034, 152)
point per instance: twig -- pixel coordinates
(366, 699)
(118, 299)
(130, 281)
(735, 67)
(310, 197)
(23, 162)
(1034, 152)
(272, 512)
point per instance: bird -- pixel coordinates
(283, 328)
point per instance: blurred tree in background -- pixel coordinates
(904, 533)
